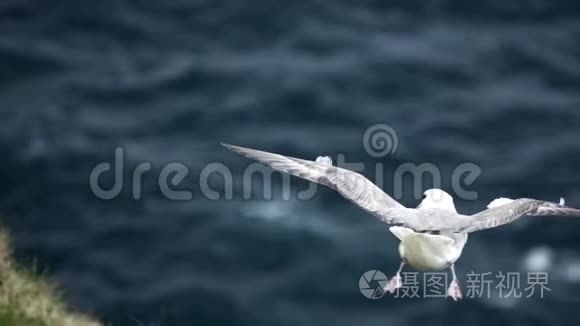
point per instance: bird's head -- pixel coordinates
(437, 198)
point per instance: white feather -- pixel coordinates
(562, 201)
(326, 160)
(499, 202)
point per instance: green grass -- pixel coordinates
(29, 300)
(10, 316)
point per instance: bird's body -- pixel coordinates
(433, 234)
(429, 252)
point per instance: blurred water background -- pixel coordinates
(496, 83)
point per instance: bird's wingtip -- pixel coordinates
(234, 148)
(228, 146)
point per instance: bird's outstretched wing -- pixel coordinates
(509, 212)
(349, 184)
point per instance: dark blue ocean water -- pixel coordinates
(495, 83)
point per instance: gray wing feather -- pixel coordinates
(349, 184)
(508, 213)
(369, 197)
(558, 211)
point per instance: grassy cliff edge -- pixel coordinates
(28, 300)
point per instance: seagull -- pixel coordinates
(430, 250)
(433, 234)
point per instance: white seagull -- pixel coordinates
(433, 234)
